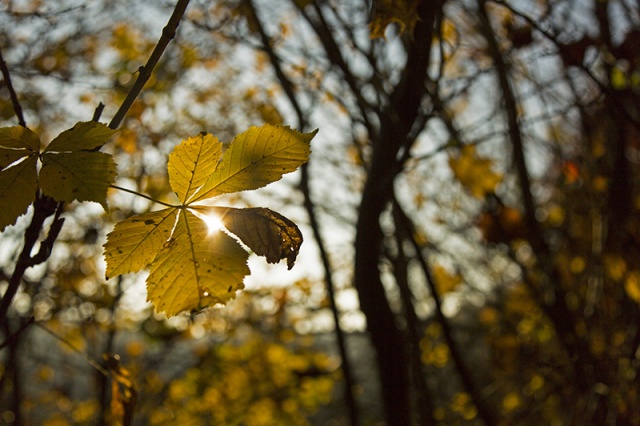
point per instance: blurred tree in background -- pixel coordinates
(471, 201)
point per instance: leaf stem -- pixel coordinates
(131, 191)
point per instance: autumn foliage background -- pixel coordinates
(470, 213)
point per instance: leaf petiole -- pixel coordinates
(130, 191)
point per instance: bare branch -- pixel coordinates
(12, 93)
(168, 33)
(315, 226)
(485, 412)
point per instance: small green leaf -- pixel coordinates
(82, 176)
(17, 142)
(18, 186)
(264, 231)
(191, 163)
(195, 270)
(86, 136)
(136, 241)
(255, 158)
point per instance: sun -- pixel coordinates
(214, 223)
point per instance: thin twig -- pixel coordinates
(168, 33)
(98, 112)
(558, 311)
(86, 357)
(485, 412)
(12, 93)
(333, 51)
(423, 398)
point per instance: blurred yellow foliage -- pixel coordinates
(632, 285)
(385, 12)
(474, 172)
(127, 141)
(615, 267)
(511, 401)
(444, 281)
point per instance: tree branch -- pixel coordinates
(485, 412)
(309, 206)
(168, 33)
(396, 125)
(335, 57)
(17, 108)
(554, 302)
(423, 399)
(43, 207)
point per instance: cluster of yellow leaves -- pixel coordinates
(474, 172)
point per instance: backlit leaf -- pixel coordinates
(18, 186)
(191, 163)
(195, 270)
(193, 266)
(17, 142)
(82, 176)
(265, 232)
(86, 135)
(257, 157)
(136, 241)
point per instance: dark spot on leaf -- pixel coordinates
(229, 289)
(149, 222)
